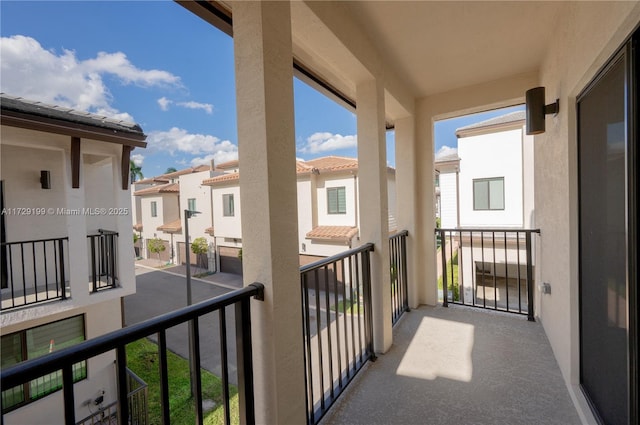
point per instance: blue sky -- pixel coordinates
(159, 65)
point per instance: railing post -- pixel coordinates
(121, 381)
(244, 363)
(67, 389)
(530, 316)
(63, 284)
(93, 263)
(443, 252)
(405, 283)
(366, 281)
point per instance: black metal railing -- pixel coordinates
(117, 340)
(137, 398)
(36, 271)
(103, 250)
(488, 268)
(337, 325)
(398, 264)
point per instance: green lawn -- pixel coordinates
(452, 284)
(351, 307)
(142, 359)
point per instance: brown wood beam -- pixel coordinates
(75, 162)
(126, 157)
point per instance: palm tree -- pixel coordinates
(135, 171)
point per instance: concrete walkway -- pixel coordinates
(459, 366)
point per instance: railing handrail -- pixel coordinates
(36, 240)
(399, 234)
(34, 368)
(488, 229)
(141, 384)
(334, 258)
(102, 232)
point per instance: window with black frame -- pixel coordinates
(35, 342)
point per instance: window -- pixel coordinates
(154, 209)
(488, 194)
(336, 200)
(191, 204)
(227, 205)
(36, 342)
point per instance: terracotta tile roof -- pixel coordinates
(152, 180)
(162, 188)
(191, 170)
(229, 177)
(336, 233)
(209, 231)
(303, 168)
(171, 227)
(333, 163)
(137, 227)
(229, 164)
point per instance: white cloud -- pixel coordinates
(164, 103)
(323, 142)
(207, 107)
(218, 158)
(446, 151)
(178, 140)
(30, 71)
(137, 159)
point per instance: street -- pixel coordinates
(160, 292)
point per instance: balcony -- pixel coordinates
(455, 364)
(37, 271)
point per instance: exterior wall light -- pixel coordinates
(45, 179)
(536, 110)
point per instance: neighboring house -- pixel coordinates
(489, 186)
(159, 205)
(66, 251)
(328, 217)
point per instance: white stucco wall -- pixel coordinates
(226, 227)
(306, 203)
(448, 200)
(99, 319)
(486, 156)
(24, 154)
(191, 187)
(590, 34)
(331, 180)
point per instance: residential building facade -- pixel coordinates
(66, 248)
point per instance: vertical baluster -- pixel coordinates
(495, 271)
(244, 362)
(337, 316)
(24, 277)
(484, 293)
(121, 366)
(506, 270)
(94, 275)
(164, 377)
(329, 339)
(197, 384)
(46, 277)
(405, 273)
(225, 365)
(529, 278)
(62, 275)
(474, 279)
(11, 285)
(443, 259)
(35, 272)
(357, 295)
(519, 277)
(316, 279)
(353, 328)
(307, 333)
(344, 318)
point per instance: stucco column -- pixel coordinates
(406, 197)
(77, 254)
(374, 210)
(264, 90)
(425, 222)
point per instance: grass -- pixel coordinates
(142, 359)
(351, 307)
(453, 285)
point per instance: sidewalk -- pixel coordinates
(228, 280)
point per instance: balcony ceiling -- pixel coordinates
(440, 46)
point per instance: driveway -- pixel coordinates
(160, 292)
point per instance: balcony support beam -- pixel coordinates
(264, 96)
(406, 198)
(374, 205)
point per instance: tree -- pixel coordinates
(170, 170)
(156, 246)
(135, 171)
(199, 246)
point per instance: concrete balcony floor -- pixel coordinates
(459, 365)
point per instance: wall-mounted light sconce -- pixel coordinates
(45, 179)
(536, 110)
